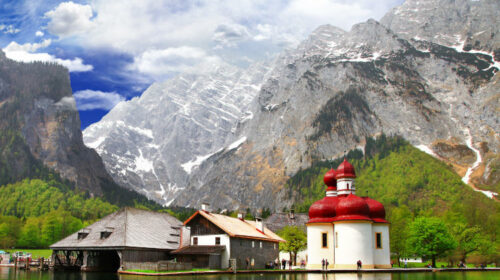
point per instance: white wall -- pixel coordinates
(382, 256)
(315, 251)
(210, 240)
(355, 242)
(342, 186)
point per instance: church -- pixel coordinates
(344, 228)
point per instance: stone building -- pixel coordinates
(215, 239)
(344, 228)
(119, 240)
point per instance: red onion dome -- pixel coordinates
(330, 180)
(345, 170)
(323, 211)
(352, 207)
(377, 210)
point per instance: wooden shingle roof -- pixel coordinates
(235, 227)
(127, 228)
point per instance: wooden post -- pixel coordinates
(41, 263)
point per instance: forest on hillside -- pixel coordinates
(410, 184)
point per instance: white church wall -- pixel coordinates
(382, 256)
(355, 242)
(315, 250)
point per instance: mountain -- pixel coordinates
(337, 88)
(152, 144)
(40, 134)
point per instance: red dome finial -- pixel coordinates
(329, 178)
(345, 170)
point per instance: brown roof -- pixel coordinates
(200, 250)
(278, 221)
(235, 227)
(128, 228)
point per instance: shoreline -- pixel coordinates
(392, 270)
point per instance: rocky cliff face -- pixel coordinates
(153, 143)
(337, 87)
(40, 128)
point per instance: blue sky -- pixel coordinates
(114, 49)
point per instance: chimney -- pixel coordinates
(240, 216)
(259, 224)
(205, 207)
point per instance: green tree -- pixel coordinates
(30, 234)
(10, 228)
(469, 240)
(399, 217)
(51, 229)
(429, 238)
(296, 241)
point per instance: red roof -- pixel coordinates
(377, 210)
(323, 211)
(345, 208)
(329, 178)
(352, 207)
(345, 170)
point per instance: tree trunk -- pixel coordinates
(433, 261)
(294, 258)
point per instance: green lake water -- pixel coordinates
(11, 274)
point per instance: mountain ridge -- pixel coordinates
(339, 87)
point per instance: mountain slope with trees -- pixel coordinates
(411, 183)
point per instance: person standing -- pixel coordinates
(359, 264)
(322, 264)
(406, 263)
(326, 264)
(283, 264)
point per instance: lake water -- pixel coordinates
(11, 274)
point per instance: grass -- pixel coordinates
(35, 253)
(438, 265)
(168, 271)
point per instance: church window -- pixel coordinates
(253, 244)
(217, 241)
(347, 186)
(195, 240)
(378, 240)
(260, 244)
(324, 240)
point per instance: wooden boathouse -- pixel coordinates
(120, 240)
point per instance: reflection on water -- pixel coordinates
(11, 274)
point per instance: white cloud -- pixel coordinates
(39, 33)
(69, 19)
(67, 102)
(164, 62)
(9, 29)
(95, 99)
(156, 29)
(228, 35)
(25, 53)
(14, 46)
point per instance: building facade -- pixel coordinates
(215, 239)
(344, 228)
(120, 240)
